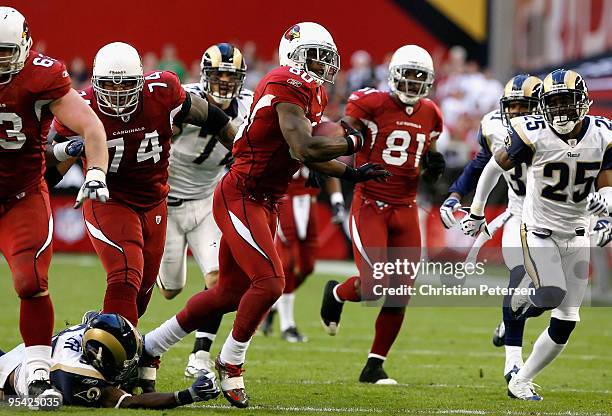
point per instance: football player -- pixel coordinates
(92, 364)
(297, 242)
(33, 88)
(521, 97)
(197, 163)
(271, 147)
(137, 111)
(400, 127)
(569, 178)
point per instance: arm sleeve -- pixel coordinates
(287, 93)
(519, 151)
(468, 180)
(488, 179)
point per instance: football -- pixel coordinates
(328, 129)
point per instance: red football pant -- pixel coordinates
(250, 271)
(382, 234)
(296, 241)
(130, 245)
(26, 228)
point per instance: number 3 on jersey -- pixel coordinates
(396, 152)
(150, 141)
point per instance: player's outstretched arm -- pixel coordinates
(297, 131)
(204, 388)
(337, 169)
(202, 114)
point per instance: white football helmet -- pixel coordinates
(411, 73)
(117, 79)
(15, 37)
(310, 47)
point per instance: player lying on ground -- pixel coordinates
(92, 365)
(568, 153)
(35, 87)
(521, 97)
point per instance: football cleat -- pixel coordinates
(331, 309)
(267, 326)
(499, 335)
(52, 398)
(522, 389)
(232, 383)
(199, 364)
(375, 375)
(293, 335)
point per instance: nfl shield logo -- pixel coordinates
(158, 219)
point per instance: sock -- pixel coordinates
(163, 337)
(38, 362)
(285, 311)
(121, 298)
(346, 291)
(388, 325)
(375, 360)
(514, 332)
(36, 321)
(234, 352)
(203, 341)
(545, 350)
(514, 357)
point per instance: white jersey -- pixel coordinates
(197, 159)
(561, 175)
(494, 134)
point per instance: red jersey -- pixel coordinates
(263, 165)
(396, 139)
(25, 119)
(139, 147)
(297, 186)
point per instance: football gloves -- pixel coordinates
(366, 172)
(603, 232)
(94, 187)
(433, 165)
(473, 224)
(204, 388)
(447, 211)
(597, 204)
(354, 138)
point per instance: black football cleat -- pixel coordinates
(267, 326)
(232, 383)
(49, 397)
(293, 335)
(375, 374)
(499, 335)
(331, 309)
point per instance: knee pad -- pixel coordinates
(27, 286)
(559, 330)
(548, 297)
(272, 286)
(516, 276)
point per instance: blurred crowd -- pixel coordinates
(463, 90)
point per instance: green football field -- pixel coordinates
(443, 359)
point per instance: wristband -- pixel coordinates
(59, 151)
(336, 198)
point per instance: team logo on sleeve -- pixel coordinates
(507, 142)
(292, 33)
(294, 82)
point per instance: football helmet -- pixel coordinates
(220, 59)
(411, 73)
(310, 47)
(14, 38)
(565, 100)
(112, 346)
(524, 89)
(118, 79)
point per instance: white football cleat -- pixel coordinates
(520, 388)
(199, 364)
